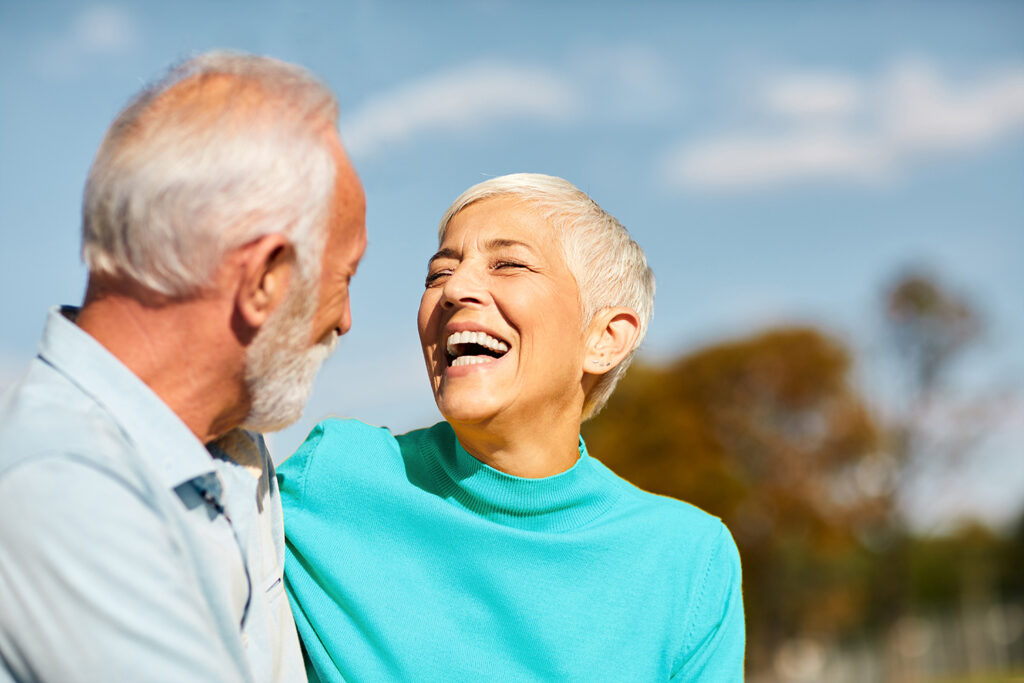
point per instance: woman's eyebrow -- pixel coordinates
(447, 252)
(497, 243)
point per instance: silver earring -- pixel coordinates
(601, 363)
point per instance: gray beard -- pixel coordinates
(281, 366)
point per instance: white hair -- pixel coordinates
(227, 148)
(609, 267)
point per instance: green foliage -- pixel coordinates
(942, 567)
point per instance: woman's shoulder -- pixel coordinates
(351, 432)
(349, 428)
(335, 447)
(351, 451)
(680, 525)
(672, 515)
(339, 436)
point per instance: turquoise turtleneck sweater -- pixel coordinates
(410, 560)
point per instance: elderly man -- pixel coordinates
(140, 526)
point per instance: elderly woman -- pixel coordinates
(492, 546)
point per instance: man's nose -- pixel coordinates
(345, 320)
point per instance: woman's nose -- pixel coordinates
(464, 286)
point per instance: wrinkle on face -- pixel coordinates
(534, 305)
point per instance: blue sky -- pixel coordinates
(778, 161)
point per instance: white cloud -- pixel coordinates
(813, 95)
(842, 128)
(104, 29)
(741, 162)
(923, 112)
(98, 30)
(470, 96)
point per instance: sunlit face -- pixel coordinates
(500, 319)
(346, 242)
(285, 357)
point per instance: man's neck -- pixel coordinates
(183, 350)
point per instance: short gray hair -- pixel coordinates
(224, 149)
(609, 267)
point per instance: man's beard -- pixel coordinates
(280, 365)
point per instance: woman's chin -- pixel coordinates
(470, 401)
(464, 409)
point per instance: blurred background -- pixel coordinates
(830, 195)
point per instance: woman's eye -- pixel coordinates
(509, 264)
(435, 276)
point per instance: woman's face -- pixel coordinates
(500, 320)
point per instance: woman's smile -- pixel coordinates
(473, 347)
(467, 348)
(499, 298)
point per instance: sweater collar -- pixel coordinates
(561, 502)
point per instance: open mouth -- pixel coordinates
(473, 348)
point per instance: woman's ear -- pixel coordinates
(264, 273)
(611, 336)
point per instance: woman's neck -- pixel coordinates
(527, 450)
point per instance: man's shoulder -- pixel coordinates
(45, 415)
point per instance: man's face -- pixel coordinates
(290, 348)
(346, 242)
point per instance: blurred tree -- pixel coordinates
(1011, 576)
(943, 567)
(928, 428)
(769, 434)
(930, 327)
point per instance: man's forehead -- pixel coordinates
(346, 178)
(350, 206)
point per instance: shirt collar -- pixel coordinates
(162, 439)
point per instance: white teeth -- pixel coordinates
(471, 360)
(481, 338)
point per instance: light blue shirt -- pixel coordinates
(128, 550)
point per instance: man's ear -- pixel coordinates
(611, 336)
(264, 274)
